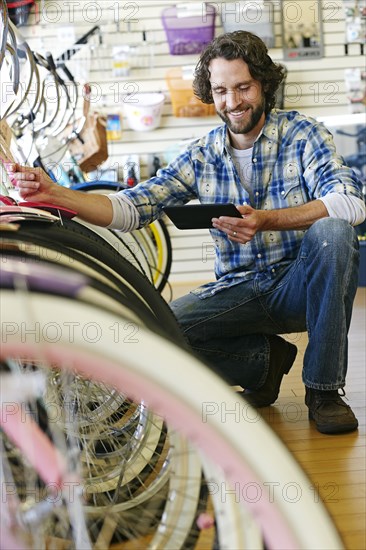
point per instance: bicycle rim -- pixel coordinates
(193, 405)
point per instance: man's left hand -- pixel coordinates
(241, 230)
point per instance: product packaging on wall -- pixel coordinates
(256, 17)
(355, 81)
(302, 31)
(355, 24)
(131, 169)
(114, 127)
(19, 11)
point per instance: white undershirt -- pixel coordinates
(242, 159)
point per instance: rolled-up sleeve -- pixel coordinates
(325, 171)
(125, 214)
(346, 207)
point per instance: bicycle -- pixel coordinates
(152, 242)
(114, 465)
(150, 248)
(198, 407)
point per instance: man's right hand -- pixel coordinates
(32, 183)
(35, 185)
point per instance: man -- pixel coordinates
(289, 264)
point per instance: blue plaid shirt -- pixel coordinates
(294, 161)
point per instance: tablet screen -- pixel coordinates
(199, 216)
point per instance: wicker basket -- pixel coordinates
(188, 34)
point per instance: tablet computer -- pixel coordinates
(199, 216)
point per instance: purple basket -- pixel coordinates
(188, 35)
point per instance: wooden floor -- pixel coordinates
(336, 465)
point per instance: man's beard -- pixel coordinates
(244, 127)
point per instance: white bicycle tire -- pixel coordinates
(178, 393)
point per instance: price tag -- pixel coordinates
(188, 72)
(191, 9)
(66, 36)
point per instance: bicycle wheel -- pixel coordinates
(135, 471)
(102, 288)
(191, 399)
(125, 244)
(70, 238)
(163, 245)
(153, 241)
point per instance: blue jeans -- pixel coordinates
(315, 293)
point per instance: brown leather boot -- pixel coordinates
(329, 412)
(281, 358)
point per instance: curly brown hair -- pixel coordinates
(251, 49)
